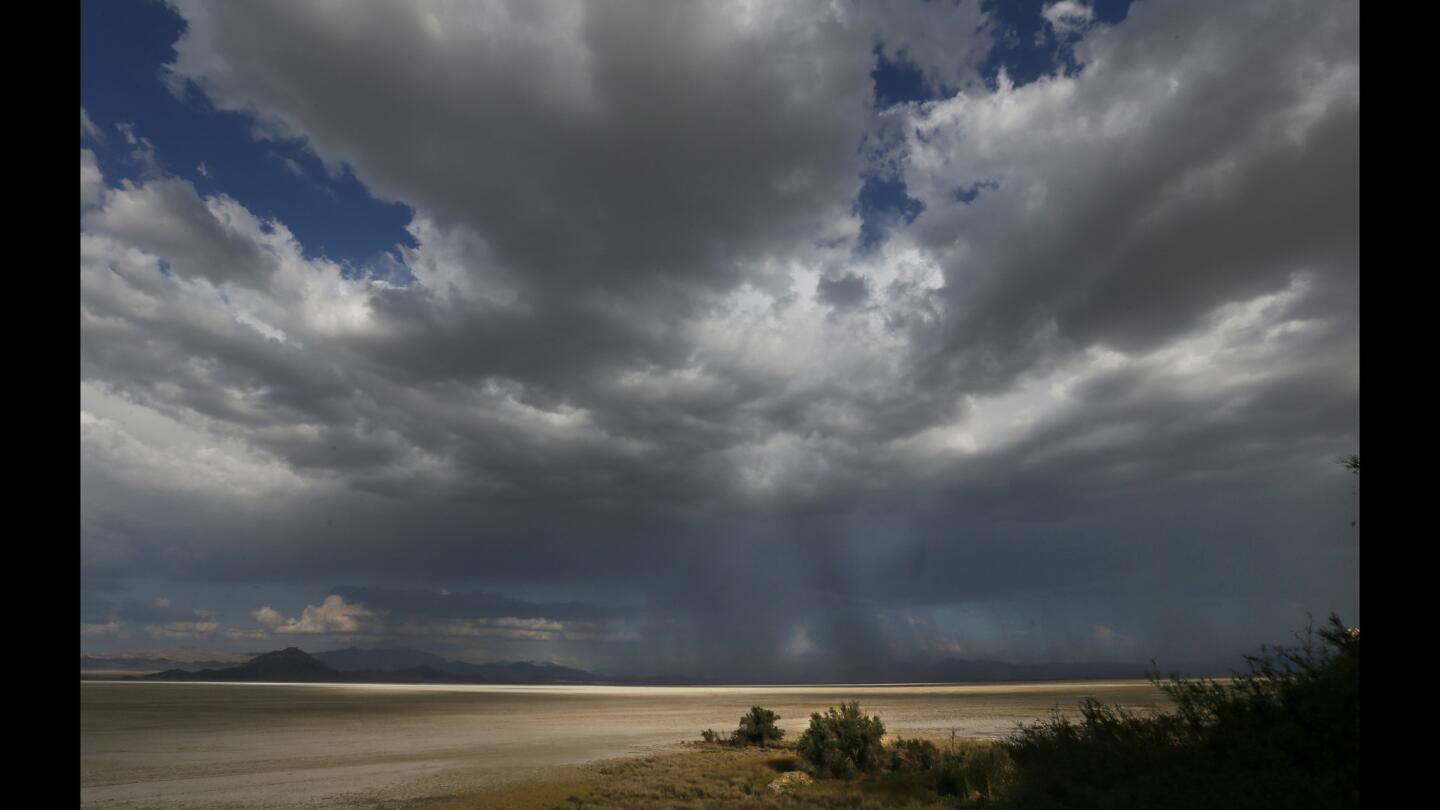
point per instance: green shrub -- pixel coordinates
(1285, 734)
(913, 756)
(757, 727)
(950, 775)
(710, 735)
(972, 769)
(842, 743)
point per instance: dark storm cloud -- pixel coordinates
(194, 241)
(641, 346)
(1132, 225)
(845, 292)
(668, 142)
(99, 610)
(466, 604)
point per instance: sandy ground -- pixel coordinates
(155, 745)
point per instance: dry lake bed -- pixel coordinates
(222, 745)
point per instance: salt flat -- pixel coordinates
(225, 745)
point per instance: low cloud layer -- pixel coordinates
(639, 397)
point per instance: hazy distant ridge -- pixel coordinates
(292, 665)
(402, 665)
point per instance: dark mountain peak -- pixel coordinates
(289, 664)
(289, 653)
(400, 659)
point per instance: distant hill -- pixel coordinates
(148, 664)
(141, 662)
(526, 672)
(355, 659)
(290, 665)
(401, 665)
(354, 665)
(170, 654)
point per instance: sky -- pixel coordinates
(733, 340)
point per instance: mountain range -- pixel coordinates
(401, 665)
(292, 665)
(355, 659)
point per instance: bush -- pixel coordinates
(972, 769)
(757, 727)
(710, 735)
(913, 756)
(1286, 734)
(842, 743)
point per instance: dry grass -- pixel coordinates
(706, 777)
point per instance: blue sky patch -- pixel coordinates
(881, 204)
(1024, 45)
(897, 82)
(969, 195)
(124, 45)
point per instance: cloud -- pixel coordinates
(333, 615)
(195, 629)
(634, 352)
(466, 604)
(212, 239)
(88, 128)
(843, 293)
(410, 616)
(142, 150)
(945, 42)
(160, 617)
(720, 141)
(290, 164)
(106, 629)
(92, 185)
(1067, 16)
(1134, 198)
(269, 617)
